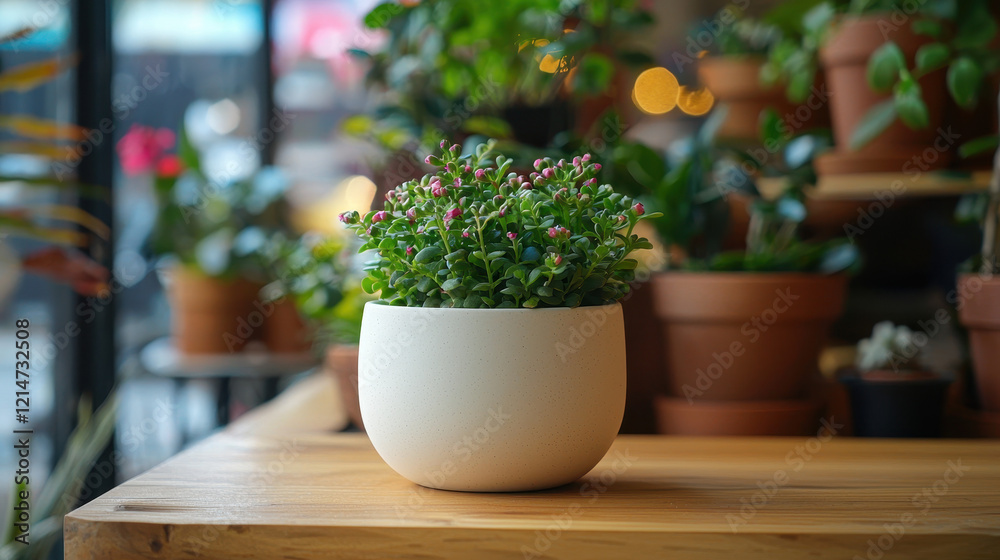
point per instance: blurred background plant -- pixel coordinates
(316, 272)
(525, 72)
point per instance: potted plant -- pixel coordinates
(890, 83)
(495, 358)
(731, 72)
(742, 329)
(892, 395)
(978, 301)
(314, 278)
(210, 235)
(523, 72)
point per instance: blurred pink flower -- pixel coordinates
(142, 147)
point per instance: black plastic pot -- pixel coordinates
(897, 405)
(538, 125)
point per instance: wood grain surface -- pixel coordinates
(238, 496)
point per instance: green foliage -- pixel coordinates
(476, 234)
(218, 228)
(315, 271)
(451, 67)
(691, 191)
(62, 489)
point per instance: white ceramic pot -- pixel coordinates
(492, 400)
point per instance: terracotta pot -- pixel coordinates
(285, 332)
(896, 404)
(643, 359)
(979, 311)
(845, 60)
(745, 336)
(210, 315)
(794, 417)
(341, 363)
(735, 82)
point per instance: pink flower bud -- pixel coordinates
(553, 232)
(368, 231)
(443, 144)
(585, 158)
(453, 213)
(468, 169)
(548, 172)
(597, 167)
(576, 161)
(561, 164)
(389, 195)
(558, 260)
(526, 186)
(511, 235)
(538, 163)
(457, 182)
(427, 160)
(409, 250)
(379, 216)
(639, 209)
(465, 234)
(346, 217)
(420, 229)
(455, 147)
(480, 174)
(411, 214)
(589, 182)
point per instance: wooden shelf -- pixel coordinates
(870, 186)
(311, 496)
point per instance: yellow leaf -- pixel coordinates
(40, 128)
(19, 34)
(27, 76)
(53, 151)
(72, 214)
(15, 223)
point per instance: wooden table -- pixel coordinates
(330, 496)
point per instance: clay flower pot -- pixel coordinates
(979, 311)
(341, 363)
(745, 336)
(211, 315)
(896, 404)
(845, 62)
(735, 82)
(492, 400)
(790, 417)
(284, 330)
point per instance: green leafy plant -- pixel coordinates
(475, 234)
(737, 34)
(61, 491)
(454, 68)
(691, 190)
(794, 59)
(315, 272)
(889, 347)
(216, 228)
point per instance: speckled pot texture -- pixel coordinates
(492, 400)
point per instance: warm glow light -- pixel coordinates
(359, 192)
(655, 91)
(353, 193)
(694, 102)
(549, 64)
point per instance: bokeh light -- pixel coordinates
(695, 102)
(655, 91)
